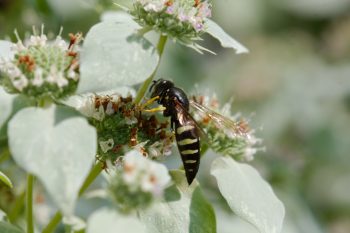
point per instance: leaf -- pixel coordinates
(58, 146)
(6, 227)
(248, 195)
(3, 216)
(114, 55)
(5, 180)
(110, 221)
(191, 213)
(5, 105)
(226, 40)
(5, 49)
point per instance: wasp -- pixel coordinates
(187, 131)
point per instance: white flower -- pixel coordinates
(57, 77)
(107, 145)
(10, 69)
(38, 77)
(156, 179)
(99, 114)
(110, 109)
(37, 40)
(20, 82)
(18, 47)
(60, 43)
(61, 81)
(150, 176)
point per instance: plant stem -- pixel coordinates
(29, 209)
(95, 171)
(17, 207)
(145, 85)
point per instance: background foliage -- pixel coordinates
(296, 81)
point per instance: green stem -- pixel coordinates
(17, 207)
(29, 209)
(145, 85)
(95, 171)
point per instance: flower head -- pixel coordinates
(41, 68)
(123, 125)
(138, 181)
(227, 134)
(180, 19)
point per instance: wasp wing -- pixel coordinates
(185, 118)
(228, 126)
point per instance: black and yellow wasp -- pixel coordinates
(176, 106)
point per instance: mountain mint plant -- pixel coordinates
(89, 115)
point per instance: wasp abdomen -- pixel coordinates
(189, 148)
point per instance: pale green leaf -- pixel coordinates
(3, 216)
(5, 49)
(6, 227)
(5, 180)
(114, 55)
(226, 40)
(5, 105)
(187, 212)
(110, 221)
(58, 146)
(248, 195)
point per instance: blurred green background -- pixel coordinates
(294, 86)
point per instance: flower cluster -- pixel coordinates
(123, 125)
(138, 181)
(42, 68)
(182, 19)
(228, 135)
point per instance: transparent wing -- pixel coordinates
(185, 118)
(230, 127)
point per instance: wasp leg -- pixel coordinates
(158, 109)
(149, 102)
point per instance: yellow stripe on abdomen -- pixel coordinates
(184, 128)
(189, 152)
(187, 141)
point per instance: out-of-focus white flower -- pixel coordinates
(148, 175)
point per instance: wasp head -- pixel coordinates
(159, 87)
